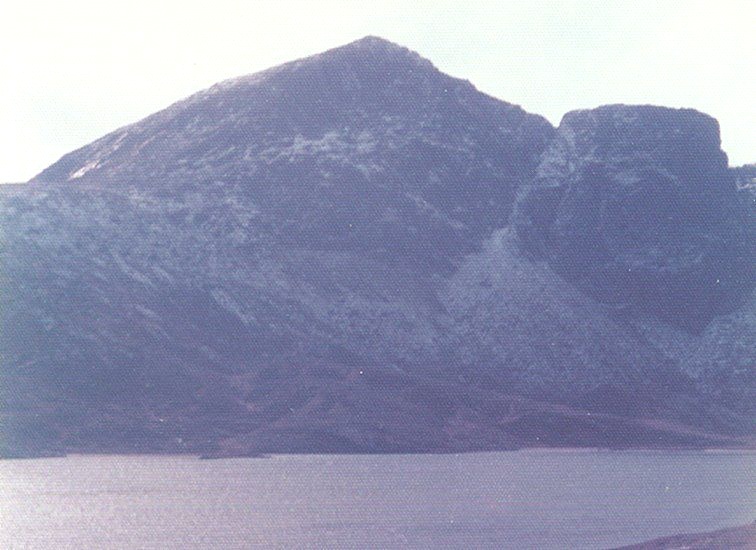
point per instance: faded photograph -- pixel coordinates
(343, 275)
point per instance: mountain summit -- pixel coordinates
(302, 259)
(363, 95)
(334, 149)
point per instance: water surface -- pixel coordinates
(527, 499)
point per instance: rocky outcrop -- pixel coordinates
(636, 205)
(745, 180)
(745, 176)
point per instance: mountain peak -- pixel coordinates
(376, 45)
(371, 87)
(370, 48)
(369, 53)
(372, 41)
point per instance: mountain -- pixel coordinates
(370, 123)
(343, 254)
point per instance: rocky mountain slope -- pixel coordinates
(319, 257)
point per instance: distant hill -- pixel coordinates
(354, 252)
(735, 538)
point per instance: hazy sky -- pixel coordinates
(74, 70)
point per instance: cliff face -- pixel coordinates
(636, 205)
(317, 258)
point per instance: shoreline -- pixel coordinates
(739, 536)
(265, 455)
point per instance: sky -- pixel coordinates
(73, 71)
